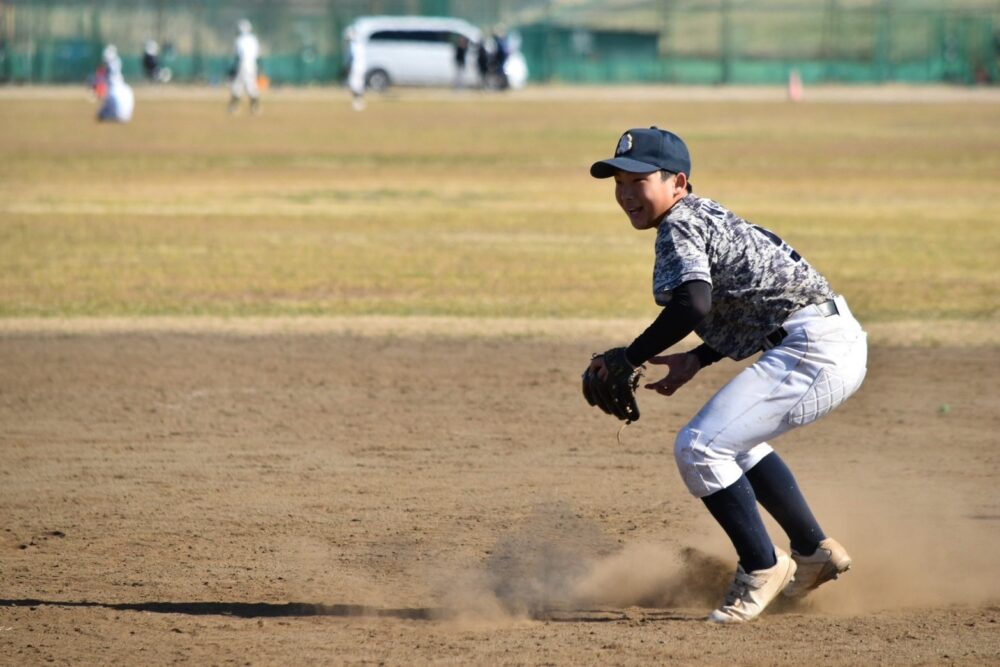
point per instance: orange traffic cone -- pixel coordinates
(794, 86)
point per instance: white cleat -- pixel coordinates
(751, 592)
(828, 562)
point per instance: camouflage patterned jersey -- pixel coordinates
(757, 279)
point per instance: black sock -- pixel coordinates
(779, 493)
(735, 508)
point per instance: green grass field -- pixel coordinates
(474, 205)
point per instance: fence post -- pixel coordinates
(828, 38)
(992, 50)
(336, 57)
(548, 42)
(43, 45)
(726, 41)
(883, 41)
(197, 63)
(666, 68)
(4, 44)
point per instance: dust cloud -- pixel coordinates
(908, 552)
(912, 548)
(559, 562)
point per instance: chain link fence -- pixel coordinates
(583, 41)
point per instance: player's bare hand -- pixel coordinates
(680, 368)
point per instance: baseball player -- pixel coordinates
(119, 100)
(357, 70)
(244, 70)
(742, 290)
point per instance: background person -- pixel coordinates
(498, 63)
(461, 56)
(356, 72)
(152, 64)
(119, 100)
(244, 70)
(483, 58)
(151, 60)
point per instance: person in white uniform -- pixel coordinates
(119, 103)
(244, 69)
(357, 71)
(743, 291)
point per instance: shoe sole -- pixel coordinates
(829, 572)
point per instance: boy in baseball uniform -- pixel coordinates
(244, 70)
(357, 71)
(119, 100)
(743, 291)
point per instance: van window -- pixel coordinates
(432, 36)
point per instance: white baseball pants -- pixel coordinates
(246, 81)
(820, 364)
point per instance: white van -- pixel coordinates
(420, 51)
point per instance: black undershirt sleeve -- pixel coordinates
(689, 304)
(706, 355)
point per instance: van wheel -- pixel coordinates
(377, 80)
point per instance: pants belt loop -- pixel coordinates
(828, 308)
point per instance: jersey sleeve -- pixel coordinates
(681, 256)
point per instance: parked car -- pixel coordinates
(421, 51)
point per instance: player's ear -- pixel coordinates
(680, 182)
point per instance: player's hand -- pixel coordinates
(680, 368)
(609, 383)
(598, 367)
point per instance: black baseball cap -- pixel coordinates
(641, 151)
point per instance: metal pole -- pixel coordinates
(666, 72)
(883, 41)
(726, 41)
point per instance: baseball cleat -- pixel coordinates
(751, 592)
(829, 561)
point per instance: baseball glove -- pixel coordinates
(615, 394)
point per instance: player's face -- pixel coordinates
(646, 198)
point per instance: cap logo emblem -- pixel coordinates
(624, 144)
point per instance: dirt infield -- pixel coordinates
(335, 498)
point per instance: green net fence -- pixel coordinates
(576, 41)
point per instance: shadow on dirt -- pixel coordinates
(244, 609)
(302, 609)
(299, 609)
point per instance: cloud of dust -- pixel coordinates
(559, 562)
(911, 548)
(655, 575)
